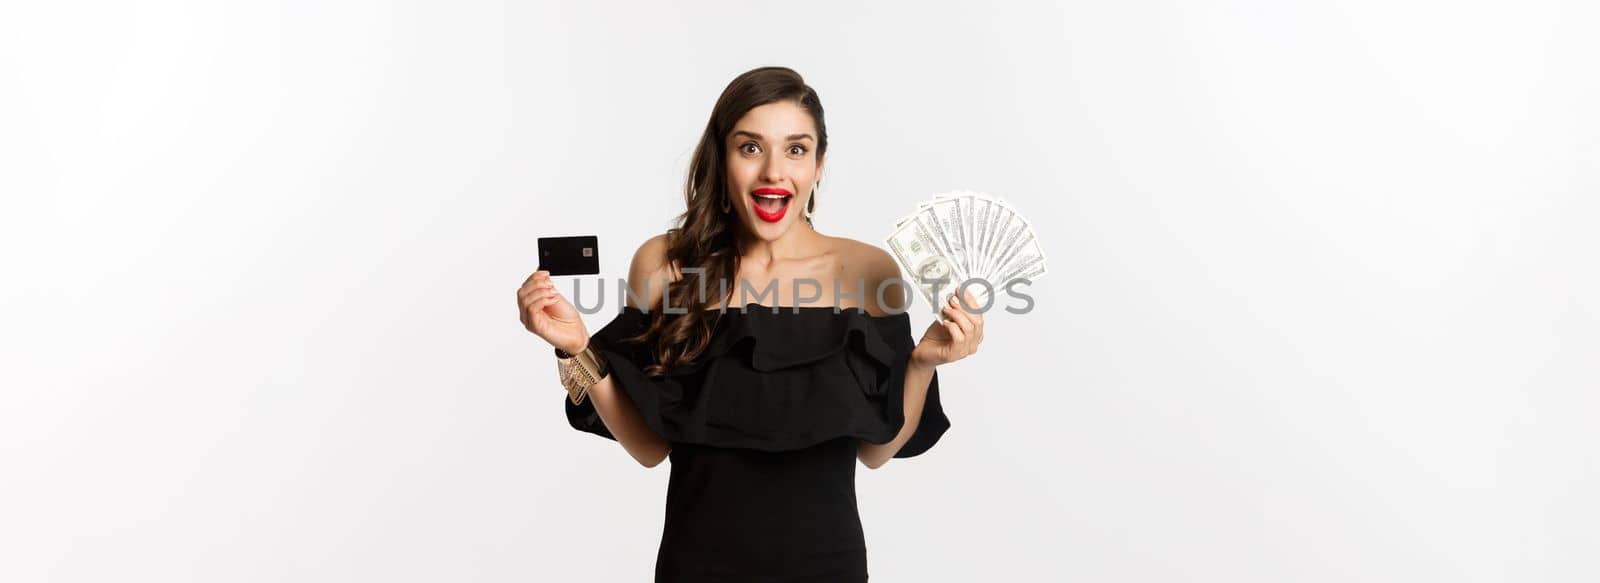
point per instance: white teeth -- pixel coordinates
(771, 203)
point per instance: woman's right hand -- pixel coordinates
(546, 313)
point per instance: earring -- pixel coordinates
(808, 204)
(813, 201)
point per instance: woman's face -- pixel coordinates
(772, 165)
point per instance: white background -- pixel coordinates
(1321, 303)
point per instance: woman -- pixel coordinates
(763, 412)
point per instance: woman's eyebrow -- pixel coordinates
(792, 137)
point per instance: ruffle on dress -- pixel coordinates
(773, 381)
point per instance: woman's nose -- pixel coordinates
(773, 170)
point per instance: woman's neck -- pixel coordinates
(798, 242)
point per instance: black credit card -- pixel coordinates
(579, 255)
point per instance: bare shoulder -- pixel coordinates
(872, 265)
(650, 271)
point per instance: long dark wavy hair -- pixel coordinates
(705, 236)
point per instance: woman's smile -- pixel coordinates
(771, 203)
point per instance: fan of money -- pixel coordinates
(964, 236)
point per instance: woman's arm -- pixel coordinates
(622, 419)
(646, 277)
(954, 336)
(874, 455)
(881, 267)
(548, 314)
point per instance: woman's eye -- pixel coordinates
(797, 150)
(750, 148)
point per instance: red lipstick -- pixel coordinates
(771, 192)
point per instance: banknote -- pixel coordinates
(923, 262)
(961, 236)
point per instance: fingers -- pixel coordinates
(541, 302)
(960, 317)
(536, 289)
(977, 322)
(539, 281)
(535, 293)
(970, 323)
(957, 337)
(972, 308)
(536, 304)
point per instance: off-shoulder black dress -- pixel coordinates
(763, 427)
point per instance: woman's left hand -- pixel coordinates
(951, 339)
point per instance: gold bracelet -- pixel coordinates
(580, 371)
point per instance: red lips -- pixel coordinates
(774, 215)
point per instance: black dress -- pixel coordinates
(763, 427)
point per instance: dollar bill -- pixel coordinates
(958, 207)
(997, 218)
(937, 216)
(1011, 228)
(961, 236)
(1028, 262)
(924, 262)
(981, 209)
